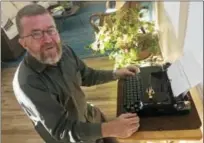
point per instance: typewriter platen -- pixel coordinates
(149, 93)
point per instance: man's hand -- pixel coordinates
(128, 71)
(122, 127)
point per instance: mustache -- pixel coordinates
(47, 45)
(51, 45)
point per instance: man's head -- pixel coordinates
(38, 34)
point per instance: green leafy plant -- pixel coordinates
(126, 35)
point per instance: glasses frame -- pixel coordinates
(43, 33)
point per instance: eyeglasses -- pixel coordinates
(38, 34)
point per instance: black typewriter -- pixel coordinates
(149, 93)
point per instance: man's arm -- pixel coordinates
(42, 108)
(92, 76)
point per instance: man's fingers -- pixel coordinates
(134, 120)
(134, 69)
(130, 73)
(128, 115)
(132, 129)
(135, 127)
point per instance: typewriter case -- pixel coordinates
(149, 93)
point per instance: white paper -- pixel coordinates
(176, 75)
(184, 74)
(12, 32)
(192, 69)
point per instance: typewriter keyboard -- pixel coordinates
(133, 90)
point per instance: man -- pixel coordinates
(47, 86)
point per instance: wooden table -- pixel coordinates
(165, 135)
(173, 135)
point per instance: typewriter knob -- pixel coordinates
(180, 106)
(141, 105)
(138, 106)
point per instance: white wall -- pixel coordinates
(194, 32)
(194, 37)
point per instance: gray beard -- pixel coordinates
(52, 61)
(48, 60)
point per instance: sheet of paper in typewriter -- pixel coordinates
(184, 74)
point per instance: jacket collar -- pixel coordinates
(34, 63)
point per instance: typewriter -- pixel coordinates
(149, 93)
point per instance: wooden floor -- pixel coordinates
(17, 127)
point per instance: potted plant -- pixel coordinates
(126, 36)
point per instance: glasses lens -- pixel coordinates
(52, 31)
(37, 34)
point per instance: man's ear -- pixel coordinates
(22, 42)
